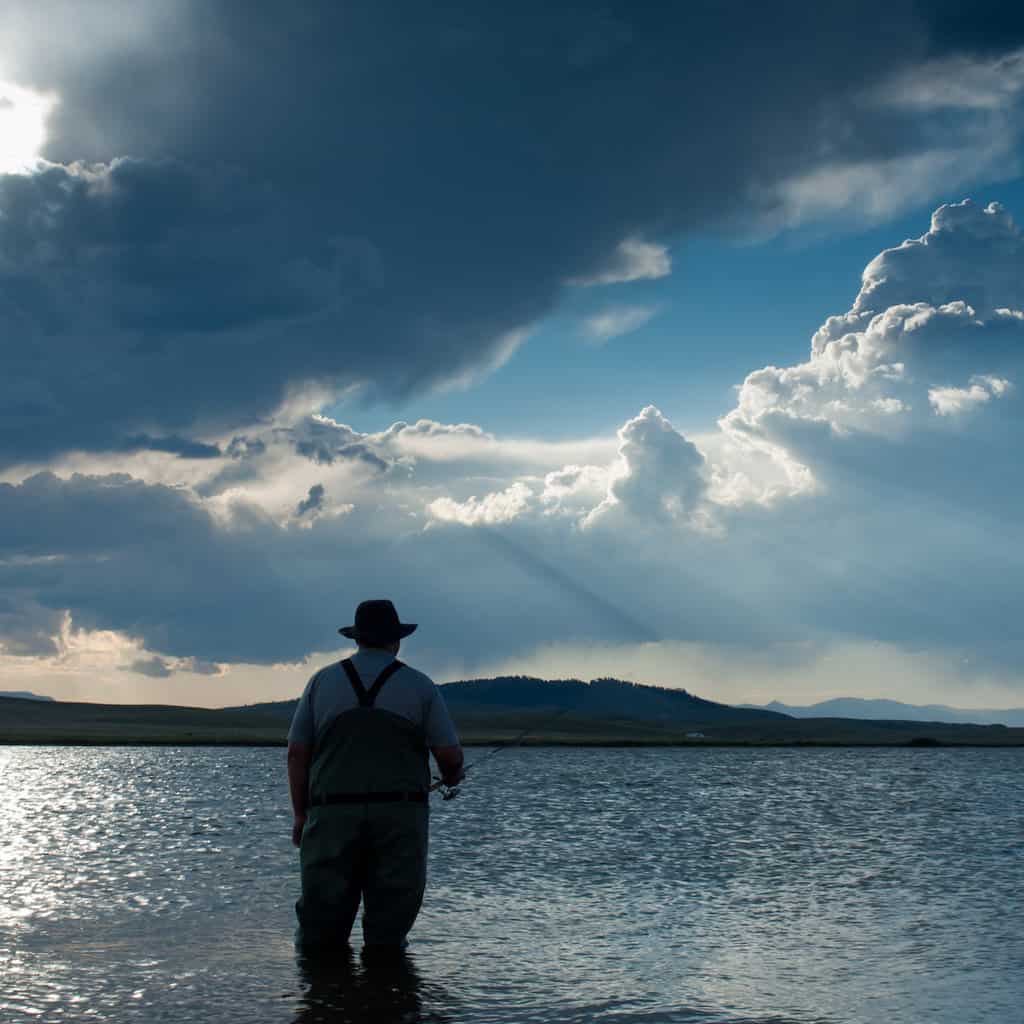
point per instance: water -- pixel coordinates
(625, 886)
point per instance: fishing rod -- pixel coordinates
(451, 792)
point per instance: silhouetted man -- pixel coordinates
(359, 776)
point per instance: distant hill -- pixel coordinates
(894, 710)
(600, 698)
(23, 695)
(604, 698)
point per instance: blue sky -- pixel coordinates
(642, 341)
(730, 304)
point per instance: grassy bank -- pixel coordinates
(32, 722)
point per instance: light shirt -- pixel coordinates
(408, 693)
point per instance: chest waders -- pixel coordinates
(366, 830)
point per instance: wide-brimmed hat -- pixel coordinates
(377, 623)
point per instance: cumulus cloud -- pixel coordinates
(612, 323)
(969, 253)
(931, 313)
(498, 507)
(661, 476)
(953, 401)
(574, 490)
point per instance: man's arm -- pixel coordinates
(299, 757)
(450, 762)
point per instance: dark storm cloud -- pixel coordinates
(380, 195)
(155, 668)
(27, 628)
(150, 562)
(242, 447)
(180, 446)
(312, 502)
(325, 442)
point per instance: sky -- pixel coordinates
(677, 343)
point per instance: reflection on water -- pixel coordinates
(625, 886)
(342, 990)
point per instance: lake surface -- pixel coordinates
(618, 886)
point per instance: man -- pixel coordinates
(359, 777)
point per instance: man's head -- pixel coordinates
(377, 626)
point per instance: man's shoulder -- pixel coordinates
(417, 678)
(323, 673)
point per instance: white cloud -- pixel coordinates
(890, 406)
(433, 442)
(954, 401)
(574, 490)
(957, 83)
(633, 260)
(946, 305)
(490, 510)
(661, 477)
(876, 189)
(970, 253)
(974, 109)
(613, 323)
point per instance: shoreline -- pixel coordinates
(915, 743)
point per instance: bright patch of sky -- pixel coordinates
(23, 114)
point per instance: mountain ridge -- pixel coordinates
(885, 709)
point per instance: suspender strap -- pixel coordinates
(364, 696)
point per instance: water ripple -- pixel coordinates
(613, 886)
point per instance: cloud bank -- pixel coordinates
(865, 496)
(389, 201)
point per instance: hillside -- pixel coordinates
(29, 721)
(604, 698)
(486, 711)
(600, 698)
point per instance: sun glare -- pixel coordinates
(23, 115)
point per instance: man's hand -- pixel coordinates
(298, 824)
(449, 761)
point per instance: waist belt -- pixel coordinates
(413, 796)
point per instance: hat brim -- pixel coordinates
(404, 629)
